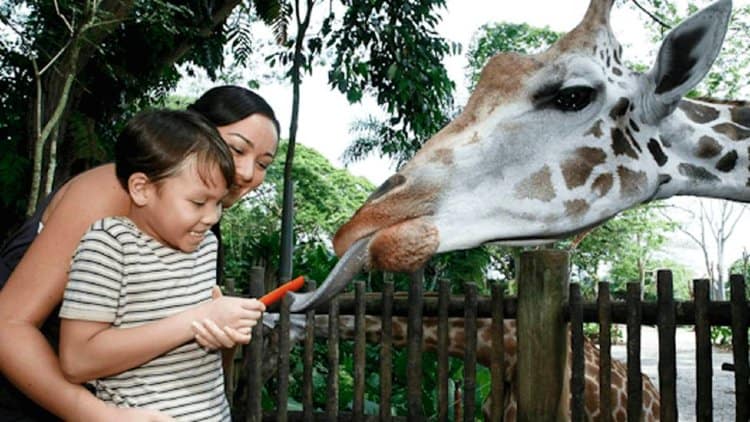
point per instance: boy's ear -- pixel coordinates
(139, 188)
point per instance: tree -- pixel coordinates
(326, 197)
(373, 40)
(491, 39)
(69, 80)
(391, 50)
(623, 249)
(715, 221)
(729, 74)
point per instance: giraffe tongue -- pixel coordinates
(348, 266)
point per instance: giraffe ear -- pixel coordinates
(685, 57)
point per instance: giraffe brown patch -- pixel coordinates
(632, 183)
(655, 149)
(536, 186)
(595, 130)
(602, 184)
(697, 173)
(576, 208)
(444, 155)
(732, 131)
(620, 108)
(741, 116)
(577, 170)
(727, 162)
(502, 78)
(699, 113)
(707, 147)
(620, 145)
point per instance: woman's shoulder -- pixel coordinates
(101, 176)
(97, 191)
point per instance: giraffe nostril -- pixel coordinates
(387, 186)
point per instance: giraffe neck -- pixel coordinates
(456, 334)
(705, 150)
(457, 346)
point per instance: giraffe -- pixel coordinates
(552, 144)
(456, 348)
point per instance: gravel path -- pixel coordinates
(723, 381)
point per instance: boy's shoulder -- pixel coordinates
(115, 226)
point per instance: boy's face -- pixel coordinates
(182, 208)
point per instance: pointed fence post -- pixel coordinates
(543, 385)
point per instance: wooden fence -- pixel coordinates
(547, 309)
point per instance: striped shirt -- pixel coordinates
(122, 276)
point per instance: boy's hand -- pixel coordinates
(228, 321)
(210, 336)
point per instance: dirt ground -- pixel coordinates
(723, 381)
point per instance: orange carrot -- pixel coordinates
(279, 292)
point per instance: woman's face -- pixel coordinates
(253, 141)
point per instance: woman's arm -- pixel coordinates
(90, 350)
(35, 288)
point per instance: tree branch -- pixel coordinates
(651, 15)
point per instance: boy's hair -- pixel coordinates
(157, 142)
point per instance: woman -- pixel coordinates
(34, 289)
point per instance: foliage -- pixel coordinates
(491, 39)
(721, 336)
(591, 332)
(731, 70)
(372, 380)
(325, 198)
(627, 244)
(391, 50)
(109, 84)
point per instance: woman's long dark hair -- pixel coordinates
(227, 104)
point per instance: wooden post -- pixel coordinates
(543, 383)
(578, 364)
(667, 346)
(470, 351)
(255, 351)
(308, 359)
(415, 411)
(635, 383)
(604, 304)
(497, 363)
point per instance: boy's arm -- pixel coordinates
(91, 349)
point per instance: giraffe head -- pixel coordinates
(547, 145)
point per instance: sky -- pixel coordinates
(326, 115)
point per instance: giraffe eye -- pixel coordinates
(574, 98)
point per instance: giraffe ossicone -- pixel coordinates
(551, 144)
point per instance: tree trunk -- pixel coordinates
(287, 213)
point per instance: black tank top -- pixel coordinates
(14, 405)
